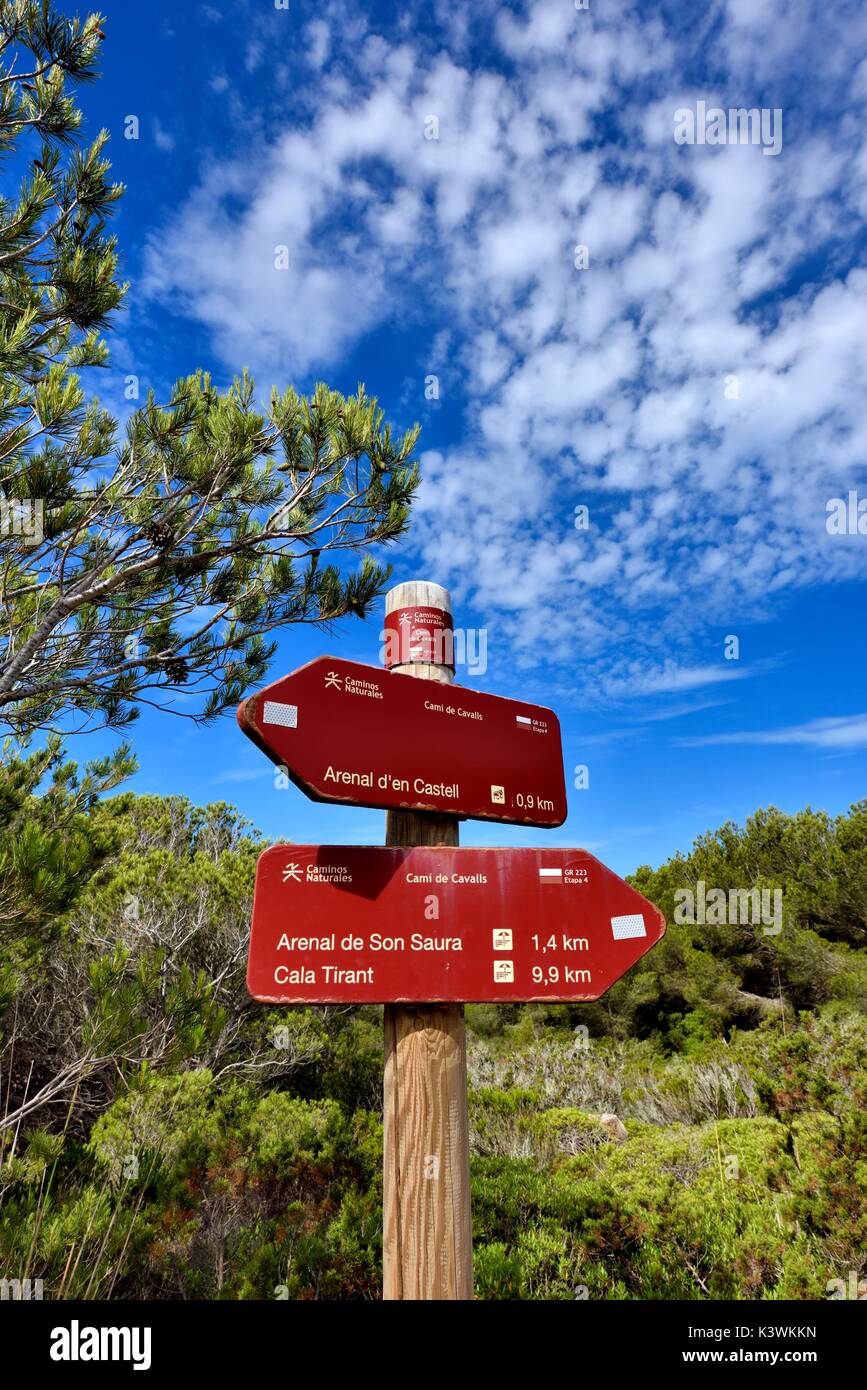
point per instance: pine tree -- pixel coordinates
(133, 565)
(51, 844)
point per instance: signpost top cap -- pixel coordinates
(418, 593)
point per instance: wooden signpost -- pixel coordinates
(421, 925)
(427, 1232)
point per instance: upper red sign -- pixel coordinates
(364, 924)
(368, 737)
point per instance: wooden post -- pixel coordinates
(427, 1231)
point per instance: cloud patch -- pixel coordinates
(698, 385)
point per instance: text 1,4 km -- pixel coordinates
(564, 942)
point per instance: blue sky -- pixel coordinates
(699, 386)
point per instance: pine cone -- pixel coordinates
(160, 534)
(176, 670)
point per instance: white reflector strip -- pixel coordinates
(632, 924)
(275, 713)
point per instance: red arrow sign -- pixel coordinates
(367, 737)
(364, 924)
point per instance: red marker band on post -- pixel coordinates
(419, 635)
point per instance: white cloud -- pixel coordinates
(163, 139)
(847, 731)
(609, 386)
(244, 774)
(253, 56)
(318, 36)
(673, 678)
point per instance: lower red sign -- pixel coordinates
(365, 924)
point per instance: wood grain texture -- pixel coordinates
(417, 593)
(427, 1228)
